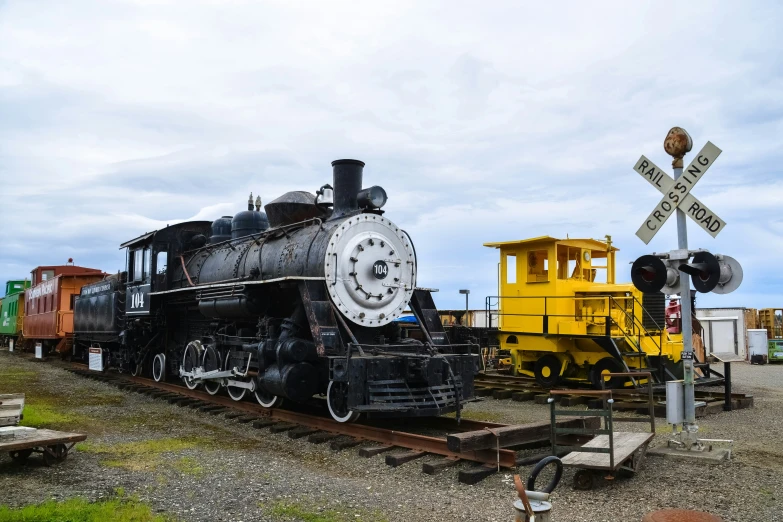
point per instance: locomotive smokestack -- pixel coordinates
(347, 184)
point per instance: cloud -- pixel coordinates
(483, 122)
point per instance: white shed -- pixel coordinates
(725, 329)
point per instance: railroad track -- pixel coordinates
(634, 400)
(372, 438)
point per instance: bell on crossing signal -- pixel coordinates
(713, 273)
(650, 273)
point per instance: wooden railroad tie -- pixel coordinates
(341, 444)
(374, 450)
(301, 432)
(431, 468)
(282, 426)
(476, 474)
(321, 437)
(398, 459)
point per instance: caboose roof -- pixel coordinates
(592, 244)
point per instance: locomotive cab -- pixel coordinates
(148, 259)
(561, 314)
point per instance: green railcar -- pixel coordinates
(12, 310)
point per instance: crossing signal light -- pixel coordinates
(652, 274)
(710, 273)
(713, 273)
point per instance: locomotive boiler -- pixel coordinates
(291, 303)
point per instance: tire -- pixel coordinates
(547, 371)
(607, 364)
(531, 480)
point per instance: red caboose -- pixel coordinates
(49, 305)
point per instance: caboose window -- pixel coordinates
(138, 264)
(47, 275)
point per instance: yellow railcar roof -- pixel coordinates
(576, 243)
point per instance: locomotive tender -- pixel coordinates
(290, 303)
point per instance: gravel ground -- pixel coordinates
(209, 468)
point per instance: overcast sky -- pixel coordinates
(484, 121)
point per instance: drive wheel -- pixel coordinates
(191, 360)
(547, 370)
(159, 367)
(601, 368)
(135, 369)
(234, 392)
(211, 362)
(20, 455)
(337, 401)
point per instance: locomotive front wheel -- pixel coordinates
(159, 368)
(267, 400)
(547, 370)
(337, 401)
(135, 369)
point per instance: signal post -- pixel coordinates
(671, 271)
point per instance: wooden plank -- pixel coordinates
(512, 435)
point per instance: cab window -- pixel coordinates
(537, 266)
(138, 264)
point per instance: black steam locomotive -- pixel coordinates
(297, 301)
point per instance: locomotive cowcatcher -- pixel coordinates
(297, 301)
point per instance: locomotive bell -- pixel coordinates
(677, 143)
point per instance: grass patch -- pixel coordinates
(189, 466)
(40, 413)
(79, 510)
(142, 455)
(300, 513)
(11, 377)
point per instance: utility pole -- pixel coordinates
(466, 292)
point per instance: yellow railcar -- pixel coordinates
(561, 315)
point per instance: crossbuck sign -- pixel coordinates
(676, 193)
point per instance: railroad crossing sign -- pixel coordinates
(676, 194)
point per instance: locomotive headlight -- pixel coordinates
(373, 197)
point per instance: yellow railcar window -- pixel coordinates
(511, 268)
(537, 266)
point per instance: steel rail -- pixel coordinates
(412, 441)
